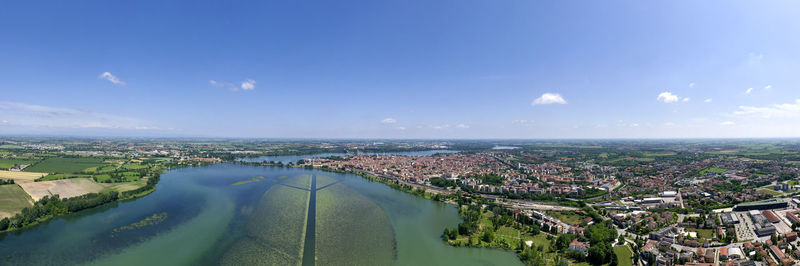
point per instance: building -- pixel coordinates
(764, 229)
(771, 216)
(782, 187)
(729, 218)
(579, 246)
(669, 194)
(761, 205)
(735, 253)
(723, 253)
(651, 200)
(791, 236)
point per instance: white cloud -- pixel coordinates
(727, 123)
(441, 126)
(401, 128)
(786, 110)
(549, 98)
(388, 121)
(248, 85)
(767, 87)
(667, 97)
(462, 126)
(686, 99)
(635, 125)
(111, 78)
(708, 100)
(669, 124)
(748, 91)
(29, 116)
(691, 85)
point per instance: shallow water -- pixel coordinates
(209, 222)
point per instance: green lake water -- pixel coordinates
(205, 220)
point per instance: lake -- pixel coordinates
(228, 214)
(285, 159)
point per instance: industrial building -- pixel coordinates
(761, 205)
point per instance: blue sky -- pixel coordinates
(401, 69)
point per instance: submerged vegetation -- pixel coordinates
(155, 219)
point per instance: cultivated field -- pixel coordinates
(27, 176)
(66, 188)
(12, 200)
(65, 165)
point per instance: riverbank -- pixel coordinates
(52, 207)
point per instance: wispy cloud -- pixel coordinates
(748, 91)
(686, 99)
(388, 121)
(111, 78)
(754, 58)
(667, 97)
(462, 126)
(786, 110)
(37, 116)
(767, 87)
(549, 98)
(727, 123)
(708, 100)
(246, 85)
(691, 85)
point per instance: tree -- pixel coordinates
(4, 224)
(488, 236)
(598, 254)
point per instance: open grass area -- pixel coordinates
(707, 170)
(569, 217)
(64, 176)
(12, 200)
(65, 165)
(29, 176)
(702, 233)
(624, 256)
(770, 191)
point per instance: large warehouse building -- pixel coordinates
(761, 205)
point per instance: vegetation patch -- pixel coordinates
(624, 255)
(275, 231)
(65, 165)
(12, 200)
(155, 219)
(341, 211)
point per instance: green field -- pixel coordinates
(702, 233)
(6, 164)
(65, 165)
(624, 256)
(63, 176)
(569, 217)
(12, 200)
(707, 170)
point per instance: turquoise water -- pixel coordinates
(207, 218)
